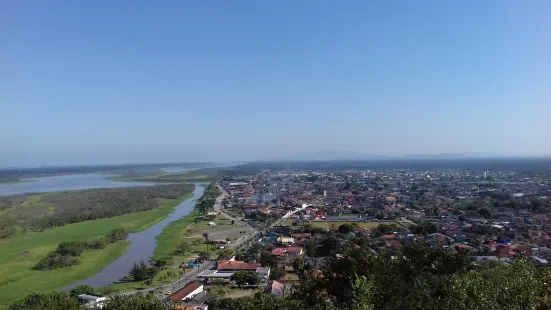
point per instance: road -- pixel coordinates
(191, 275)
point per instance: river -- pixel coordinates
(142, 245)
(65, 183)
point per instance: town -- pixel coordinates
(304, 218)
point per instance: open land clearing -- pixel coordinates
(20, 253)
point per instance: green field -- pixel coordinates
(177, 177)
(20, 253)
(17, 181)
(368, 225)
(170, 237)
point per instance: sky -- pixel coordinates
(95, 82)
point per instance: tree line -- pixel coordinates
(208, 199)
(66, 252)
(78, 206)
(419, 277)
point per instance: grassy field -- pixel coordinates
(368, 225)
(17, 181)
(177, 177)
(186, 229)
(19, 254)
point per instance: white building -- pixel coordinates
(91, 301)
(187, 292)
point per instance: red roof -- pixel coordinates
(182, 293)
(389, 237)
(303, 235)
(279, 251)
(294, 249)
(237, 265)
(396, 243)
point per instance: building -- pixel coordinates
(91, 301)
(187, 292)
(274, 288)
(190, 307)
(233, 266)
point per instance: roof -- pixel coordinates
(190, 307)
(275, 288)
(389, 237)
(89, 297)
(303, 235)
(182, 293)
(237, 265)
(294, 249)
(278, 251)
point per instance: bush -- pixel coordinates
(64, 255)
(55, 260)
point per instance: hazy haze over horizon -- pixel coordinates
(96, 82)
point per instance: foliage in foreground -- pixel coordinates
(64, 301)
(423, 278)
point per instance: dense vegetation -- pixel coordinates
(208, 200)
(13, 173)
(43, 211)
(64, 301)
(419, 278)
(202, 175)
(66, 252)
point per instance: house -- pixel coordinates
(315, 262)
(274, 288)
(91, 301)
(190, 307)
(187, 292)
(263, 273)
(302, 236)
(294, 251)
(285, 240)
(236, 266)
(279, 251)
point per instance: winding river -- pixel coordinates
(142, 245)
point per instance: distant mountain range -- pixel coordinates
(352, 155)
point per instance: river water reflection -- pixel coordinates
(65, 183)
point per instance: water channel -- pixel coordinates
(142, 245)
(65, 183)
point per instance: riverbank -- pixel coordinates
(182, 240)
(17, 181)
(19, 254)
(170, 177)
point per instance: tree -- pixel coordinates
(183, 247)
(309, 248)
(81, 289)
(203, 256)
(298, 264)
(141, 272)
(267, 259)
(245, 277)
(485, 289)
(134, 302)
(346, 228)
(277, 273)
(47, 301)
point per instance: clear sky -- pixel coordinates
(108, 81)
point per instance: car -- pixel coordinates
(168, 292)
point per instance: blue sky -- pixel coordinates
(133, 81)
